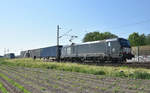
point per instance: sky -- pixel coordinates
(29, 24)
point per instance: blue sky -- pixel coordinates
(28, 24)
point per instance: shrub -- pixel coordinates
(120, 74)
(140, 75)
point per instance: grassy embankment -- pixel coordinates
(136, 73)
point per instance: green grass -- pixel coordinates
(3, 90)
(136, 73)
(43, 89)
(14, 84)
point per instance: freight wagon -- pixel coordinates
(9, 55)
(47, 52)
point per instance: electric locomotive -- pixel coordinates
(114, 50)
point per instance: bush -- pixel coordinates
(120, 74)
(100, 72)
(140, 75)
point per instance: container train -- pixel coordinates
(114, 50)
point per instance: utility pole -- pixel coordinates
(58, 51)
(58, 37)
(138, 53)
(4, 51)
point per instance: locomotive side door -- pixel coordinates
(108, 48)
(73, 50)
(112, 48)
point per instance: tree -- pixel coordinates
(148, 39)
(94, 36)
(142, 39)
(108, 35)
(133, 38)
(136, 39)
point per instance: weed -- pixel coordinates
(43, 89)
(97, 87)
(120, 74)
(75, 86)
(103, 89)
(140, 92)
(110, 86)
(116, 89)
(14, 83)
(114, 83)
(55, 86)
(3, 89)
(140, 75)
(58, 78)
(130, 87)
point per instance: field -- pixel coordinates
(22, 76)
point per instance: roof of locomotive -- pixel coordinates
(91, 42)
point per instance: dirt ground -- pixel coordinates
(38, 80)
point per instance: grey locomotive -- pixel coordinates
(114, 50)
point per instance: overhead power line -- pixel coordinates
(131, 24)
(123, 26)
(66, 33)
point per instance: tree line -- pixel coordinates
(135, 38)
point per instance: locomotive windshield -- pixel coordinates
(124, 43)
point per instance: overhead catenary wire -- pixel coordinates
(123, 26)
(131, 24)
(120, 27)
(65, 33)
(108, 29)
